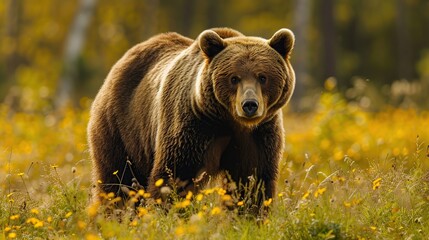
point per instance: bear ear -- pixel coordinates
(282, 41)
(211, 43)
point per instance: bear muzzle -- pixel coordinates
(250, 107)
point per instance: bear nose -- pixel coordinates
(250, 107)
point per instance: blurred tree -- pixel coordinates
(13, 11)
(73, 48)
(404, 62)
(300, 52)
(328, 39)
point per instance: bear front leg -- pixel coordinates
(182, 163)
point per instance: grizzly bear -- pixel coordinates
(187, 111)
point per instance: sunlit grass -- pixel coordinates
(346, 174)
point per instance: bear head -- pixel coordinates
(250, 77)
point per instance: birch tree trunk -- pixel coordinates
(73, 48)
(300, 55)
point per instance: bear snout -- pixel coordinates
(250, 106)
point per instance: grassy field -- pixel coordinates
(346, 174)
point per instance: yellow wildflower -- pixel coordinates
(189, 195)
(226, 198)
(268, 202)
(306, 194)
(35, 211)
(81, 224)
(14, 217)
(133, 223)
(115, 172)
(240, 203)
(376, 183)
(216, 211)
(183, 204)
(180, 231)
(20, 174)
(11, 235)
(319, 192)
(142, 211)
(199, 197)
(91, 236)
(93, 210)
(68, 214)
(159, 182)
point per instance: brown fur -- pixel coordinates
(170, 106)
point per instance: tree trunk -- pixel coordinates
(73, 48)
(404, 63)
(328, 39)
(300, 56)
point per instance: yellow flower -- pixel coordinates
(280, 195)
(35, 211)
(7, 229)
(142, 211)
(81, 224)
(221, 191)
(159, 182)
(347, 204)
(226, 198)
(306, 194)
(240, 203)
(189, 195)
(68, 214)
(36, 222)
(319, 192)
(216, 211)
(183, 204)
(14, 217)
(11, 235)
(20, 174)
(199, 197)
(93, 210)
(91, 236)
(376, 183)
(268, 202)
(110, 195)
(115, 172)
(133, 223)
(373, 228)
(99, 181)
(54, 166)
(180, 231)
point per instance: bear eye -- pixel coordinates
(235, 80)
(262, 79)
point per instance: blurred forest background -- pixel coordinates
(375, 52)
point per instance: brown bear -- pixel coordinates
(185, 111)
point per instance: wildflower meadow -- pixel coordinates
(347, 173)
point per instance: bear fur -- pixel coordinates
(185, 111)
